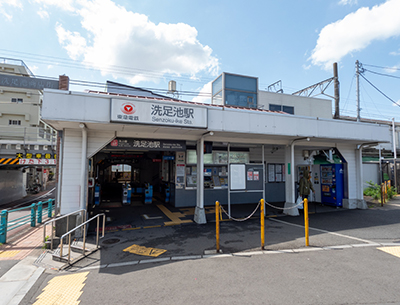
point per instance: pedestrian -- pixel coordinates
(305, 185)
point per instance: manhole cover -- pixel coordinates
(111, 241)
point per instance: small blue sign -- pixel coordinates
(168, 157)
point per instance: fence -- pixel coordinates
(37, 210)
(218, 217)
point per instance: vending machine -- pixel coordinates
(332, 184)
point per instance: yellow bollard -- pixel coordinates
(217, 210)
(262, 224)
(306, 221)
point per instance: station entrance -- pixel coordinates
(133, 182)
(130, 176)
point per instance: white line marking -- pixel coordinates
(325, 231)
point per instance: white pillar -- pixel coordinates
(199, 213)
(83, 167)
(359, 174)
(288, 178)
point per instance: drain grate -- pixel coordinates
(111, 241)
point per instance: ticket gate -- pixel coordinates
(126, 194)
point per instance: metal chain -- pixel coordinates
(241, 219)
(278, 208)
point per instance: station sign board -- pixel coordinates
(37, 161)
(147, 144)
(27, 82)
(158, 113)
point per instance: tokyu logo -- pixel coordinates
(128, 108)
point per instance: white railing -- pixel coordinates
(29, 135)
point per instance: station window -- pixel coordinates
(215, 167)
(16, 100)
(14, 122)
(287, 109)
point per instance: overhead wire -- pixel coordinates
(127, 87)
(380, 67)
(382, 74)
(379, 90)
(348, 94)
(112, 69)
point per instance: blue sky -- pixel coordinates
(147, 43)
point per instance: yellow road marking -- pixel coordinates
(190, 211)
(172, 223)
(141, 250)
(65, 289)
(175, 217)
(10, 253)
(391, 250)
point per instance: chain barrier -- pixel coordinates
(240, 219)
(279, 208)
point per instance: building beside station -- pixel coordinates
(247, 145)
(27, 144)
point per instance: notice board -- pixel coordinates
(237, 174)
(254, 176)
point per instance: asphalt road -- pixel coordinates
(356, 272)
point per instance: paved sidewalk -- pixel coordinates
(22, 273)
(20, 257)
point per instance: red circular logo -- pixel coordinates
(128, 108)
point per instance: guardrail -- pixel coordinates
(84, 236)
(34, 217)
(83, 211)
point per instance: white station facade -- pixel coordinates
(201, 153)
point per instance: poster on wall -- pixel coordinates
(180, 169)
(271, 172)
(256, 175)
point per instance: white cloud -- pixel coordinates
(66, 5)
(8, 3)
(393, 69)
(34, 69)
(204, 94)
(348, 2)
(73, 42)
(355, 32)
(119, 38)
(43, 14)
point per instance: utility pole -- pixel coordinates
(358, 90)
(336, 83)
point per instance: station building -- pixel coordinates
(246, 145)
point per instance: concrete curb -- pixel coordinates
(238, 254)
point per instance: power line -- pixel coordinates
(380, 67)
(382, 74)
(112, 69)
(379, 90)
(101, 85)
